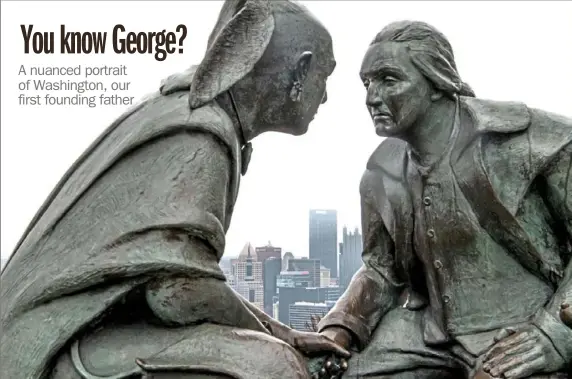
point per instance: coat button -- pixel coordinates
(431, 233)
(446, 299)
(427, 201)
(438, 264)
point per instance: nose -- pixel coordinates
(325, 97)
(374, 95)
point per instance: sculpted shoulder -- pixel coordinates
(386, 162)
(514, 129)
(388, 158)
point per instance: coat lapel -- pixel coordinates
(495, 215)
(394, 202)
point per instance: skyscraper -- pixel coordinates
(305, 264)
(301, 313)
(287, 256)
(324, 238)
(272, 267)
(291, 295)
(271, 259)
(350, 256)
(268, 251)
(324, 277)
(247, 273)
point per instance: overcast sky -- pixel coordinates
(513, 50)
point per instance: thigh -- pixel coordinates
(65, 369)
(397, 350)
(185, 301)
(195, 352)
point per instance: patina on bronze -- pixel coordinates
(117, 276)
(467, 225)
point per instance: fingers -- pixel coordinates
(508, 342)
(566, 314)
(320, 344)
(333, 369)
(515, 361)
(176, 82)
(333, 347)
(526, 370)
(509, 354)
(503, 333)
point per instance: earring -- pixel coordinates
(296, 91)
(436, 96)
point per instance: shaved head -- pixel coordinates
(296, 31)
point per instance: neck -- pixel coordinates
(243, 117)
(430, 137)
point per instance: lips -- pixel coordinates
(381, 116)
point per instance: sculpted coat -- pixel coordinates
(138, 190)
(515, 173)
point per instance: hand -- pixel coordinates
(339, 335)
(177, 82)
(328, 367)
(311, 343)
(522, 354)
(566, 314)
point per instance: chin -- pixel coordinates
(388, 130)
(294, 130)
(300, 130)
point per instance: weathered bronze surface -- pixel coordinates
(467, 224)
(117, 276)
(466, 211)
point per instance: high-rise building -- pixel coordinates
(247, 273)
(324, 277)
(271, 269)
(291, 295)
(294, 279)
(275, 307)
(301, 314)
(285, 259)
(226, 266)
(324, 238)
(350, 256)
(305, 264)
(265, 252)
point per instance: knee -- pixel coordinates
(183, 300)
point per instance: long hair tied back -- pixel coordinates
(431, 53)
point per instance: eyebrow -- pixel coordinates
(382, 67)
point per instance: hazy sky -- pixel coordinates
(513, 50)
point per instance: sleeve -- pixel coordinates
(188, 176)
(375, 288)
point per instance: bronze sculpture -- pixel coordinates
(117, 276)
(467, 224)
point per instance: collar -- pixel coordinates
(245, 147)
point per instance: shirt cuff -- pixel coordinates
(360, 331)
(559, 334)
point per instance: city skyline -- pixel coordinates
(286, 175)
(305, 253)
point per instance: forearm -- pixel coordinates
(563, 294)
(558, 195)
(368, 298)
(275, 327)
(549, 321)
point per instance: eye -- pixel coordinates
(388, 79)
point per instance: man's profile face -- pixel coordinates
(398, 95)
(314, 92)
